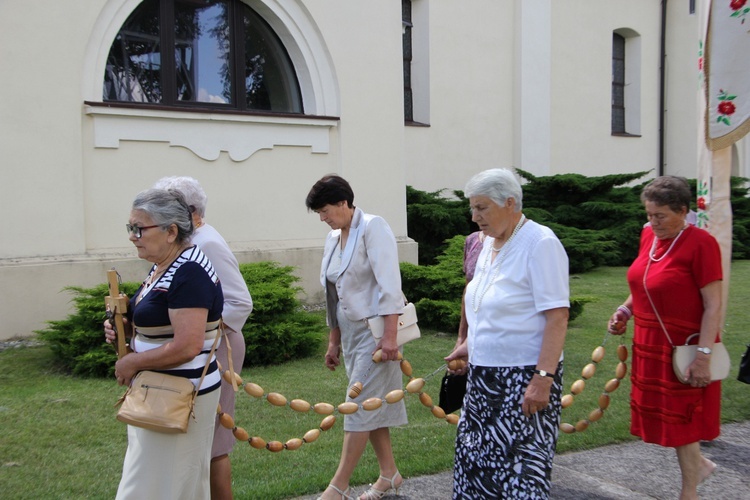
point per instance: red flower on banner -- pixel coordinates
(701, 202)
(726, 107)
(737, 4)
(740, 10)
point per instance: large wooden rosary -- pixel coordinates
(414, 386)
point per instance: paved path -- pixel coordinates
(633, 470)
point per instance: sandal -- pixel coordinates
(345, 495)
(375, 494)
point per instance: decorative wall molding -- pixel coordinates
(208, 134)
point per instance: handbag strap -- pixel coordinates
(654, 306)
(205, 368)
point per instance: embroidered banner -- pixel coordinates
(727, 73)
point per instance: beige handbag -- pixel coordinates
(161, 402)
(407, 325)
(683, 355)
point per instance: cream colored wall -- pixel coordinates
(471, 103)
(582, 75)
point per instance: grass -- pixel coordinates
(59, 437)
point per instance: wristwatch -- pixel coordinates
(547, 374)
(704, 350)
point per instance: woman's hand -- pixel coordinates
(459, 353)
(536, 397)
(699, 372)
(618, 322)
(125, 369)
(110, 335)
(332, 356)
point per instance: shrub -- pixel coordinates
(277, 330)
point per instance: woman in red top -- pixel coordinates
(676, 277)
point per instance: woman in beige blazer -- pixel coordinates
(361, 277)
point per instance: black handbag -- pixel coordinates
(452, 391)
(744, 374)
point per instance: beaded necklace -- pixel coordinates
(475, 305)
(652, 253)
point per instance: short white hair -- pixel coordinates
(498, 184)
(190, 188)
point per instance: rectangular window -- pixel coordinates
(618, 84)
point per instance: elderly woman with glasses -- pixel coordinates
(174, 317)
(517, 314)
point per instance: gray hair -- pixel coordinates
(498, 184)
(190, 188)
(167, 207)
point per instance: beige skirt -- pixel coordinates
(171, 466)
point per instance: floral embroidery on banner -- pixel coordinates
(702, 204)
(740, 9)
(726, 107)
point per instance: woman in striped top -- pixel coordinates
(175, 316)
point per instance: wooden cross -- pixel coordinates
(117, 307)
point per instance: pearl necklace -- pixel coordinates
(475, 305)
(652, 253)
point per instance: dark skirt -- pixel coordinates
(500, 453)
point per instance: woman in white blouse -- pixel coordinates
(517, 312)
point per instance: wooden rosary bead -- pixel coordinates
(604, 401)
(226, 421)
(323, 408)
(355, 390)
(276, 399)
(240, 434)
(456, 364)
(588, 371)
(567, 428)
(348, 408)
(311, 435)
(378, 356)
(372, 404)
(293, 444)
(327, 422)
(598, 354)
(299, 405)
(577, 387)
(621, 370)
(395, 396)
(612, 385)
(254, 390)
(227, 376)
(622, 353)
(596, 414)
(257, 443)
(451, 418)
(438, 412)
(415, 385)
(406, 368)
(582, 425)
(425, 399)
(275, 446)
(566, 400)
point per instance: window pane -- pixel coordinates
(133, 71)
(270, 81)
(202, 52)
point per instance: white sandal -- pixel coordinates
(375, 494)
(345, 495)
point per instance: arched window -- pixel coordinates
(201, 53)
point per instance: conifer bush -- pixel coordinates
(278, 330)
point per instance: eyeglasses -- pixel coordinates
(136, 230)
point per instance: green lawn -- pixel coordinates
(59, 437)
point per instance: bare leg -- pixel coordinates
(351, 452)
(221, 478)
(381, 443)
(694, 467)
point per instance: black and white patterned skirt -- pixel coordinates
(500, 453)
